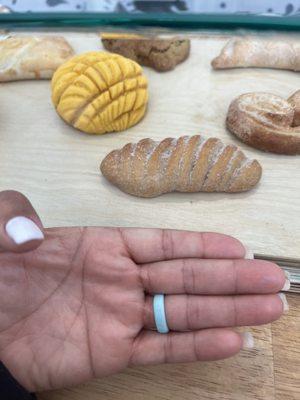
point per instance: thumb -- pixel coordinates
(20, 227)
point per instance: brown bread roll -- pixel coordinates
(186, 164)
(266, 121)
(162, 54)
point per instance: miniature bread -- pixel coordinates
(294, 100)
(99, 92)
(162, 54)
(265, 121)
(261, 53)
(31, 57)
(187, 164)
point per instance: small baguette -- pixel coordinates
(261, 53)
(266, 121)
(32, 57)
(186, 164)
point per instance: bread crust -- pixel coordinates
(162, 54)
(187, 164)
(32, 57)
(266, 121)
(260, 53)
(99, 92)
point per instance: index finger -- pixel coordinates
(151, 245)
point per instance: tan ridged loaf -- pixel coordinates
(260, 53)
(266, 121)
(187, 164)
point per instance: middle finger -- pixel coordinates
(220, 277)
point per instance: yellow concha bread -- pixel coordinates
(100, 92)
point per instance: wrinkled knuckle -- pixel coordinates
(235, 268)
(167, 244)
(145, 278)
(192, 313)
(188, 276)
(148, 317)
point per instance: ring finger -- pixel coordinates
(189, 312)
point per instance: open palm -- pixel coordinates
(80, 306)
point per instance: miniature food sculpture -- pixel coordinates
(99, 92)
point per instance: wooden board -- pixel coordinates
(58, 168)
(286, 351)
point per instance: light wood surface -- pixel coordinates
(271, 371)
(58, 168)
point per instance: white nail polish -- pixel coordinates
(249, 254)
(286, 286)
(284, 301)
(21, 230)
(248, 340)
(287, 275)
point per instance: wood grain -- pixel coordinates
(58, 168)
(286, 345)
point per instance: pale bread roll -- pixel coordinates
(266, 121)
(261, 53)
(32, 57)
(186, 164)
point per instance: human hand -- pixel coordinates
(79, 306)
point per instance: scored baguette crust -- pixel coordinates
(266, 121)
(32, 57)
(187, 164)
(261, 53)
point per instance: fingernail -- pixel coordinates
(22, 230)
(248, 340)
(284, 301)
(287, 285)
(249, 255)
(287, 275)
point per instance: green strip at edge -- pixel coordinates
(190, 21)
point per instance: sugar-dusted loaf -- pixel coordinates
(187, 164)
(261, 53)
(266, 121)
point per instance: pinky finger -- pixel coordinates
(205, 345)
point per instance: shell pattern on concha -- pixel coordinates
(187, 164)
(266, 121)
(100, 92)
